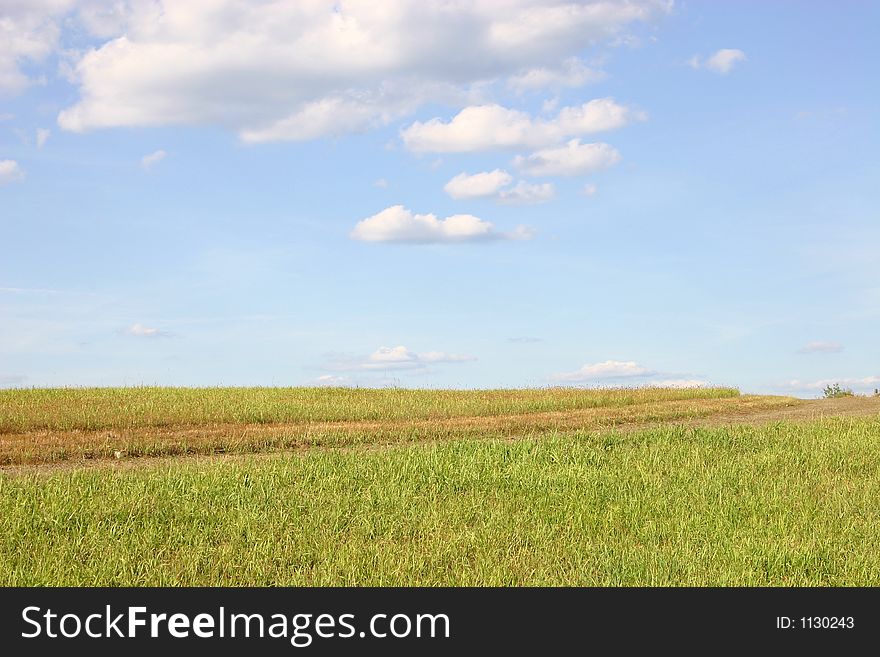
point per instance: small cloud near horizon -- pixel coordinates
(858, 384)
(138, 330)
(614, 371)
(395, 358)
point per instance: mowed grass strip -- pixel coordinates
(49, 446)
(780, 504)
(90, 409)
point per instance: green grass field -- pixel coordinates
(784, 503)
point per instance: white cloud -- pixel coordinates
(862, 384)
(496, 184)
(29, 33)
(399, 358)
(609, 369)
(141, 331)
(549, 106)
(486, 127)
(589, 189)
(572, 159)
(478, 185)
(443, 357)
(10, 172)
(678, 383)
(42, 136)
(573, 73)
(294, 69)
(333, 381)
(151, 160)
(721, 62)
(615, 372)
(524, 193)
(821, 348)
(398, 224)
(332, 117)
(381, 183)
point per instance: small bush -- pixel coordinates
(832, 391)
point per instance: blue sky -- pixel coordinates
(260, 194)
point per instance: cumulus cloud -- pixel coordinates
(165, 62)
(609, 369)
(10, 172)
(487, 127)
(496, 184)
(573, 73)
(399, 358)
(721, 62)
(819, 347)
(151, 160)
(29, 33)
(589, 189)
(141, 331)
(381, 183)
(571, 159)
(398, 224)
(478, 185)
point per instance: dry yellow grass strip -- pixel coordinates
(51, 446)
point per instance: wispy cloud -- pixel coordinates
(386, 359)
(11, 380)
(617, 372)
(151, 160)
(29, 290)
(860, 384)
(333, 381)
(572, 73)
(571, 159)
(820, 347)
(42, 136)
(722, 61)
(678, 383)
(10, 172)
(140, 331)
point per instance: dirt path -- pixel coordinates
(803, 411)
(810, 409)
